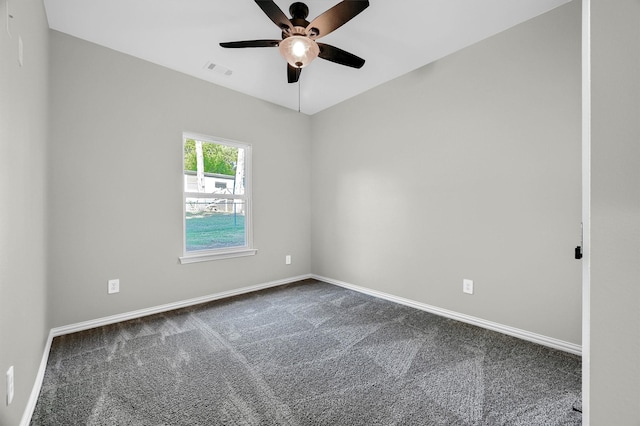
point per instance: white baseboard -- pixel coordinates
(35, 391)
(99, 322)
(511, 331)
(86, 325)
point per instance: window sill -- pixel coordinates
(206, 257)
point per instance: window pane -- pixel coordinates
(213, 167)
(216, 185)
(214, 223)
(210, 184)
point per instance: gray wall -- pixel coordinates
(116, 150)
(24, 138)
(482, 182)
(615, 213)
(466, 168)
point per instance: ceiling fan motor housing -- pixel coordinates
(299, 10)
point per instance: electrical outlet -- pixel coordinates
(114, 286)
(10, 385)
(467, 286)
(287, 259)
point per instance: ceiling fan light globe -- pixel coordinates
(299, 51)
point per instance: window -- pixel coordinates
(216, 199)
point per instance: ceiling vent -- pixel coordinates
(218, 69)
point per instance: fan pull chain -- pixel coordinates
(298, 95)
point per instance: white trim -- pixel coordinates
(214, 139)
(86, 325)
(504, 329)
(217, 254)
(99, 322)
(37, 385)
(586, 210)
(207, 256)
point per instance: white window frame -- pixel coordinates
(221, 253)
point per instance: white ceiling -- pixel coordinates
(393, 36)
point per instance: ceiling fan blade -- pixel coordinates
(251, 43)
(275, 14)
(339, 56)
(335, 17)
(293, 73)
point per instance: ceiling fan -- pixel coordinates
(298, 45)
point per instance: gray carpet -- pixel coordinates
(308, 353)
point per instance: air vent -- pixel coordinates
(218, 69)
